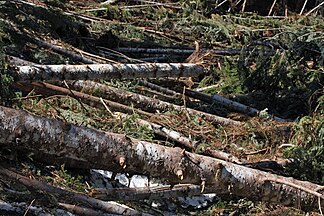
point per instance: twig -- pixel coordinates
(31, 203)
(272, 6)
(243, 6)
(75, 209)
(311, 11)
(118, 54)
(302, 10)
(62, 51)
(170, 134)
(220, 4)
(80, 102)
(107, 108)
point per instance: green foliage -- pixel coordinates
(286, 69)
(230, 80)
(56, 3)
(66, 180)
(308, 155)
(133, 129)
(5, 78)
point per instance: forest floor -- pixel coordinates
(271, 63)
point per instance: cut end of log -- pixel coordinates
(179, 174)
(122, 162)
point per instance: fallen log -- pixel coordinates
(230, 104)
(105, 71)
(144, 102)
(68, 196)
(47, 89)
(57, 141)
(147, 193)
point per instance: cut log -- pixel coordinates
(105, 71)
(53, 140)
(229, 51)
(146, 103)
(147, 193)
(230, 104)
(49, 89)
(68, 196)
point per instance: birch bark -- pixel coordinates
(105, 71)
(53, 140)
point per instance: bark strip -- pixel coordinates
(54, 140)
(105, 71)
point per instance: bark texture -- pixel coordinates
(68, 196)
(105, 71)
(230, 104)
(62, 142)
(144, 102)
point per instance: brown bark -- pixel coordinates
(49, 89)
(146, 103)
(53, 140)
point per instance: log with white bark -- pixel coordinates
(228, 51)
(53, 140)
(148, 193)
(169, 134)
(105, 71)
(68, 196)
(160, 88)
(230, 104)
(146, 103)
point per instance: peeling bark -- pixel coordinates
(53, 140)
(146, 103)
(105, 71)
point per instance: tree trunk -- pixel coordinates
(105, 71)
(146, 103)
(53, 140)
